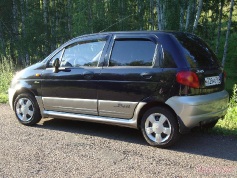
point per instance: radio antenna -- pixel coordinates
(116, 23)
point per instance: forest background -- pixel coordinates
(31, 29)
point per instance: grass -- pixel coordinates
(6, 74)
(3, 98)
(228, 126)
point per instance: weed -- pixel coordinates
(228, 125)
(6, 74)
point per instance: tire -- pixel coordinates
(160, 127)
(27, 110)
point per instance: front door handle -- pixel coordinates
(88, 75)
(64, 70)
(146, 75)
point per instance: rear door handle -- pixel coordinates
(146, 75)
(88, 75)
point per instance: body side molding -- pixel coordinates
(131, 123)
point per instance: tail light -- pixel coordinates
(188, 78)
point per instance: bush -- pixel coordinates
(228, 125)
(6, 74)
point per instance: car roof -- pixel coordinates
(130, 32)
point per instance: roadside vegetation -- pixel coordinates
(6, 74)
(228, 126)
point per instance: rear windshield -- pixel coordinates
(197, 52)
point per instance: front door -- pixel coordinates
(73, 88)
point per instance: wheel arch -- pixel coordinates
(151, 105)
(20, 91)
(182, 127)
(27, 111)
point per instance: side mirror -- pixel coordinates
(56, 65)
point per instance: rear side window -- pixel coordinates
(138, 52)
(197, 52)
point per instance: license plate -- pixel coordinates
(215, 80)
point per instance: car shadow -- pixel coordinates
(208, 144)
(94, 129)
(195, 142)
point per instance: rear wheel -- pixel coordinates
(26, 109)
(160, 127)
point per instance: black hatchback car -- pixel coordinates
(163, 83)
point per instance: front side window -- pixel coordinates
(58, 55)
(82, 54)
(132, 53)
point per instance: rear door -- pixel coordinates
(130, 74)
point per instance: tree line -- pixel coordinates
(30, 30)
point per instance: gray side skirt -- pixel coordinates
(132, 122)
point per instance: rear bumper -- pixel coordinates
(193, 110)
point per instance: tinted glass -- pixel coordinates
(132, 53)
(197, 53)
(166, 59)
(82, 54)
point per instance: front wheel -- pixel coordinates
(26, 109)
(160, 127)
